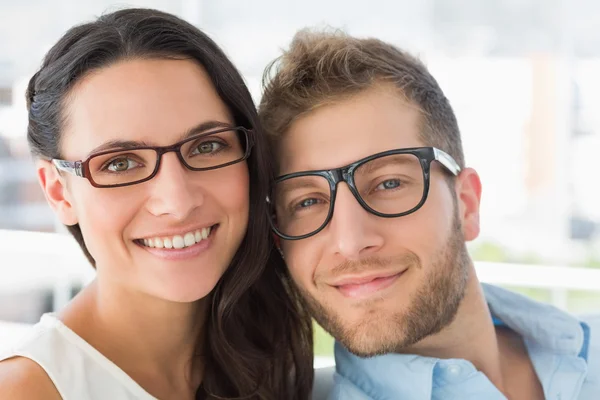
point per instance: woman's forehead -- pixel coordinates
(141, 100)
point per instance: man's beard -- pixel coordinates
(432, 308)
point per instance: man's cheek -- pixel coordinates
(300, 264)
(296, 273)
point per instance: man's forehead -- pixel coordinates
(339, 134)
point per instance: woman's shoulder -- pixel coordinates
(30, 367)
(23, 379)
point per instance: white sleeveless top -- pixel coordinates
(78, 371)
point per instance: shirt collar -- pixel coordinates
(407, 376)
(539, 324)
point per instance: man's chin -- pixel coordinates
(367, 349)
(373, 337)
(365, 333)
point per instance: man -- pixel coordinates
(373, 205)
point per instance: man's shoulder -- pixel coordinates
(592, 326)
(593, 321)
(591, 385)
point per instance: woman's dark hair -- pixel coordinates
(258, 336)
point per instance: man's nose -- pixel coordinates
(353, 229)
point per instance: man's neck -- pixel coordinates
(470, 336)
(499, 353)
(152, 340)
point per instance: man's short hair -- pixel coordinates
(324, 67)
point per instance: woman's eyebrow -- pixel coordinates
(119, 144)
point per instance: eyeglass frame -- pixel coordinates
(334, 176)
(81, 168)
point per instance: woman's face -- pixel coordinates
(156, 103)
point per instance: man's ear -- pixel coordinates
(56, 192)
(468, 192)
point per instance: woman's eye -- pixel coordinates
(122, 165)
(208, 148)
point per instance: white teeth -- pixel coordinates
(189, 239)
(178, 241)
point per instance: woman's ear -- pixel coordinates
(56, 192)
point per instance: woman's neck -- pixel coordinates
(158, 343)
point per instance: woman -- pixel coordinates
(149, 151)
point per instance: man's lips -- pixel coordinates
(364, 286)
(362, 279)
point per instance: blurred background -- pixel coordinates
(522, 76)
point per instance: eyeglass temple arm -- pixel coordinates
(447, 161)
(71, 167)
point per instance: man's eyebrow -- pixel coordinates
(395, 159)
(133, 144)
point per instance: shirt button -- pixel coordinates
(454, 371)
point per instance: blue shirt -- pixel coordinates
(564, 350)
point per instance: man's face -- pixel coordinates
(379, 285)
